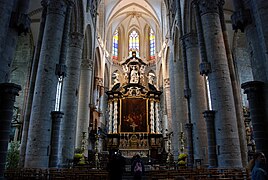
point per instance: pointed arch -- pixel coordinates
(134, 41)
(88, 43)
(97, 68)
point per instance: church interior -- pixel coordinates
(182, 83)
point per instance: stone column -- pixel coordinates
(222, 99)
(55, 136)
(255, 96)
(198, 100)
(256, 33)
(205, 66)
(14, 21)
(115, 117)
(152, 129)
(190, 159)
(6, 8)
(110, 121)
(157, 120)
(236, 89)
(209, 116)
(174, 116)
(260, 14)
(69, 102)
(38, 145)
(35, 62)
(84, 100)
(8, 92)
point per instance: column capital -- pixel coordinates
(56, 114)
(253, 88)
(205, 68)
(76, 40)
(209, 6)
(21, 22)
(190, 40)
(240, 19)
(10, 88)
(57, 7)
(44, 3)
(87, 63)
(189, 126)
(61, 70)
(209, 114)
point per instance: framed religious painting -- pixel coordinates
(133, 115)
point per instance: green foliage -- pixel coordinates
(78, 156)
(13, 155)
(182, 156)
(182, 159)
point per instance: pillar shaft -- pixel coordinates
(259, 12)
(55, 136)
(27, 113)
(198, 100)
(84, 100)
(168, 106)
(152, 123)
(8, 92)
(110, 121)
(255, 94)
(212, 151)
(175, 72)
(190, 159)
(14, 21)
(236, 90)
(37, 153)
(69, 103)
(205, 66)
(115, 116)
(229, 154)
(5, 14)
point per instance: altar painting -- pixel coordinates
(133, 115)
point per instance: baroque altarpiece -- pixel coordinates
(134, 124)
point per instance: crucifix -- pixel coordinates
(133, 125)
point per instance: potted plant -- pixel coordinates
(182, 160)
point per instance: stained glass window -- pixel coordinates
(115, 45)
(152, 44)
(134, 43)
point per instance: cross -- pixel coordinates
(133, 125)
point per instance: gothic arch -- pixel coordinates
(106, 80)
(97, 63)
(87, 49)
(77, 19)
